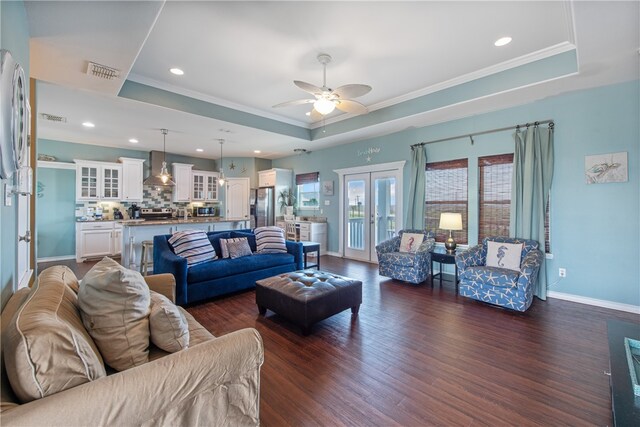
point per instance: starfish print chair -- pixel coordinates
(412, 267)
(500, 286)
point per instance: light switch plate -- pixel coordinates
(327, 202)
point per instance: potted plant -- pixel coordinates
(286, 198)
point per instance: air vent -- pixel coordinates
(53, 118)
(102, 71)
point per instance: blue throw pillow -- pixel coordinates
(215, 237)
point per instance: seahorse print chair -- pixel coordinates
(406, 256)
(500, 271)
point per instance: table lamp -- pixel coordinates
(450, 221)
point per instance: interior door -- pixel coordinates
(370, 212)
(237, 198)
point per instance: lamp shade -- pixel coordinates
(450, 221)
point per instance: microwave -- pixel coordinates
(204, 211)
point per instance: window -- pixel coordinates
(495, 198)
(308, 190)
(494, 195)
(446, 191)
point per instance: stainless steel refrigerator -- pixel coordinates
(265, 207)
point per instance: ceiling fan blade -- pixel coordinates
(296, 102)
(308, 87)
(349, 106)
(315, 116)
(352, 91)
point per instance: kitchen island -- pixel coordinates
(135, 231)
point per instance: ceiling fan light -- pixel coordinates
(324, 106)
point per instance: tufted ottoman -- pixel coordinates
(308, 296)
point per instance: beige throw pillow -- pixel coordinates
(114, 303)
(168, 326)
(46, 348)
(410, 242)
(504, 255)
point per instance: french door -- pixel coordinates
(371, 205)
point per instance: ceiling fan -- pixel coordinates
(327, 99)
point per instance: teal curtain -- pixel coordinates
(531, 182)
(415, 211)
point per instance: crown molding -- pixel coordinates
(475, 75)
(213, 100)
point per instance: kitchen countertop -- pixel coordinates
(138, 222)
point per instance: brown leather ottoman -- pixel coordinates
(307, 296)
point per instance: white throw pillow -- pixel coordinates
(270, 240)
(194, 245)
(168, 326)
(410, 242)
(114, 305)
(504, 255)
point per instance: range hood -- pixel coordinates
(155, 160)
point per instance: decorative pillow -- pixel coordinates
(250, 237)
(45, 346)
(410, 242)
(504, 255)
(168, 326)
(239, 248)
(224, 245)
(114, 304)
(194, 245)
(270, 240)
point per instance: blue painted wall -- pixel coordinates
(595, 229)
(14, 36)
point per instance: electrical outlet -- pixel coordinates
(562, 272)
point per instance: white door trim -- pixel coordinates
(398, 166)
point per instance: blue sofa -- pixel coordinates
(222, 276)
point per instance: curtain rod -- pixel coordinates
(471, 135)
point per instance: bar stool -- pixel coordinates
(145, 261)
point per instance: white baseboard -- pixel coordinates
(593, 301)
(56, 258)
(334, 254)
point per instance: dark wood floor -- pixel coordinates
(419, 356)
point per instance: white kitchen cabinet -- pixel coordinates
(182, 178)
(204, 186)
(98, 239)
(111, 182)
(98, 180)
(211, 185)
(267, 178)
(132, 178)
(314, 232)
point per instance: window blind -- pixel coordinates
(446, 191)
(307, 178)
(494, 195)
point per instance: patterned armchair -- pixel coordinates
(410, 267)
(495, 285)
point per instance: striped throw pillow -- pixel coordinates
(224, 245)
(194, 245)
(270, 240)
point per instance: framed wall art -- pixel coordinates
(327, 188)
(603, 168)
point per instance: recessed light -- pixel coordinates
(257, 151)
(133, 141)
(199, 150)
(308, 113)
(176, 71)
(88, 125)
(503, 41)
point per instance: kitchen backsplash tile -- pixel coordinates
(152, 198)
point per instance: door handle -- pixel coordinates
(26, 238)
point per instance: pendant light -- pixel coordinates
(164, 175)
(221, 177)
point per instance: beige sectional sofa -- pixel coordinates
(216, 381)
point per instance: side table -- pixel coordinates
(443, 258)
(311, 247)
